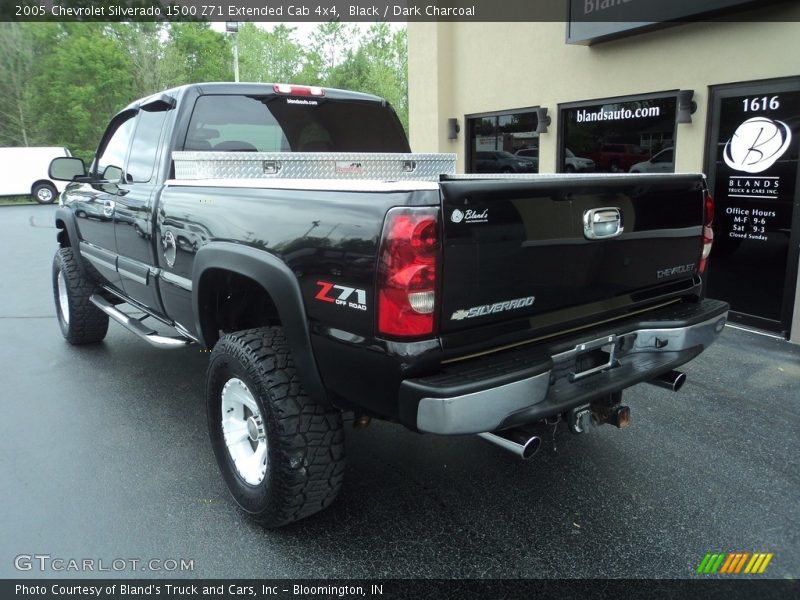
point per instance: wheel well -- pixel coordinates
(63, 234)
(229, 301)
(45, 181)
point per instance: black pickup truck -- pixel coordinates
(291, 231)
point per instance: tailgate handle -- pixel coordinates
(602, 223)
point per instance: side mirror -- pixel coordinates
(112, 173)
(66, 168)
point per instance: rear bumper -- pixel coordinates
(513, 388)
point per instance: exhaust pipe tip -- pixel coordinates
(531, 447)
(517, 441)
(672, 380)
(678, 382)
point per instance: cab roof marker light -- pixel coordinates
(297, 90)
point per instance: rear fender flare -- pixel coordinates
(280, 283)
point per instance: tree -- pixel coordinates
(378, 66)
(61, 82)
(143, 43)
(329, 46)
(82, 81)
(196, 53)
(20, 49)
(271, 56)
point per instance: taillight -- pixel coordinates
(407, 270)
(708, 233)
(297, 90)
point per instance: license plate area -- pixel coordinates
(593, 357)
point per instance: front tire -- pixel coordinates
(81, 321)
(280, 452)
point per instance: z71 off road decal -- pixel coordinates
(341, 295)
(490, 309)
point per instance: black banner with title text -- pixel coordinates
(442, 589)
(583, 16)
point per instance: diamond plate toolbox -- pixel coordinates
(312, 165)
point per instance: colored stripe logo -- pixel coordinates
(734, 563)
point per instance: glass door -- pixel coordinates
(752, 165)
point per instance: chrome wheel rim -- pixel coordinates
(44, 194)
(63, 298)
(244, 431)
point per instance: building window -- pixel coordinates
(619, 135)
(504, 142)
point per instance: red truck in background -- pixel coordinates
(617, 158)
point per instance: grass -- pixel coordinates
(13, 200)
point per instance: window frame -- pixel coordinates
(118, 121)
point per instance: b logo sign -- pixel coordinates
(757, 144)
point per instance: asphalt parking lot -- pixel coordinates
(104, 455)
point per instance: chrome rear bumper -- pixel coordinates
(557, 383)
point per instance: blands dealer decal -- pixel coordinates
(490, 309)
(470, 216)
(342, 295)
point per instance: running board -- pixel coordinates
(137, 327)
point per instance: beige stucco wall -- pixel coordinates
(457, 69)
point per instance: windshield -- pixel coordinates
(286, 124)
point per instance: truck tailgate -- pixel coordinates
(514, 248)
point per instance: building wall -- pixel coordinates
(462, 69)
(456, 69)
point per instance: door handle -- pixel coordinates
(108, 208)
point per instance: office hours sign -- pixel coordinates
(756, 140)
(757, 166)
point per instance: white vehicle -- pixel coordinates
(24, 171)
(577, 164)
(663, 162)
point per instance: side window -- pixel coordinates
(110, 161)
(493, 140)
(145, 145)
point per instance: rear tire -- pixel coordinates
(81, 321)
(44, 193)
(280, 452)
